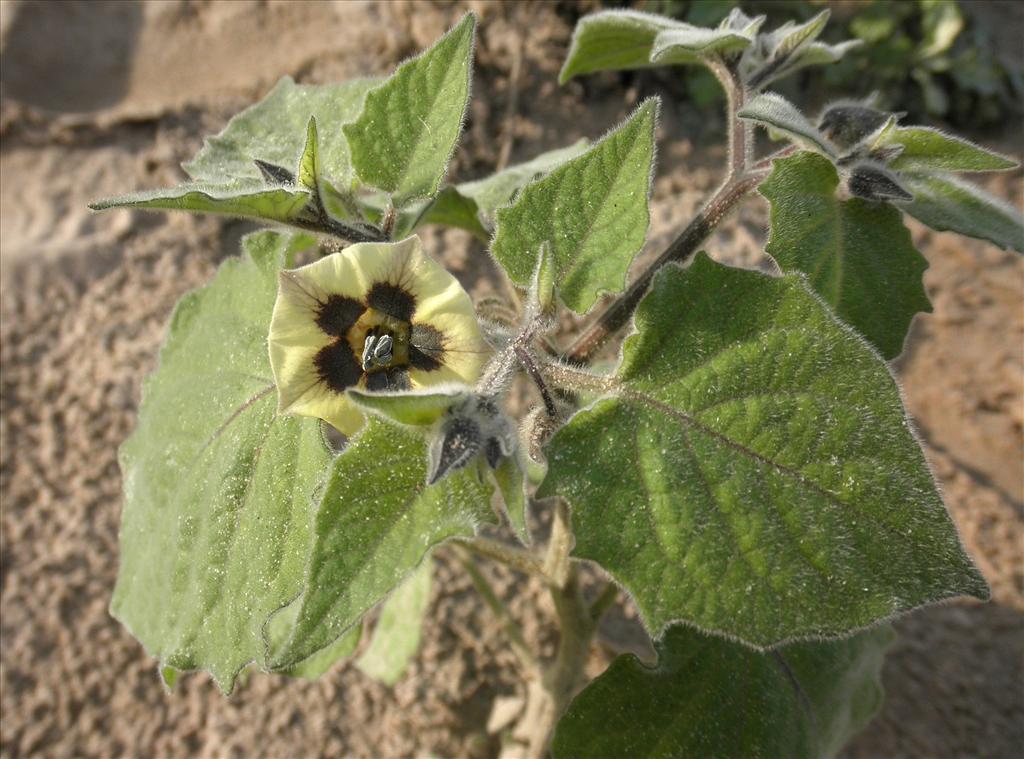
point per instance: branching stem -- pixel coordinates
(741, 179)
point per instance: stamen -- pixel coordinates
(377, 351)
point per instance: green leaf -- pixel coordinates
(279, 131)
(691, 44)
(944, 202)
(409, 126)
(789, 39)
(776, 113)
(248, 200)
(592, 210)
(471, 205)
(858, 255)
(511, 482)
(275, 130)
(709, 697)
(323, 660)
(218, 488)
(780, 51)
(821, 54)
(753, 471)
(614, 41)
(931, 150)
(497, 190)
(397, 635)
(376, 522)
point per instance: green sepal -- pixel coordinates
(591, 210)
(417, 408)
(403, 140)
(858, 256)
(710, 697)
(751, 469)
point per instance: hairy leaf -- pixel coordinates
(709, 697)
(248, 200)
(376, 521)
(266, 163)
(409, 127)
(776, 113)
(511, 481)
(614, 41)
(275, 130)
(944, 202)
(691, 44)
(858, 255)
(931, 150)
(753, 471)
(592, 211)
(396, 637)
(218, 488)
(471, 205)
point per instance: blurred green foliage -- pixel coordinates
(961, 62)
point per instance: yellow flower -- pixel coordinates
(376, 316)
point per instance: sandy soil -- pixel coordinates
(103, 97)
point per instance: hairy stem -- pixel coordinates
(510, 556)
(576, 630)
(526, 359)
(741, 179)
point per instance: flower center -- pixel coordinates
(381, 341)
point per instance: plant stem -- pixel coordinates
(741, 179)
(523, 354)
(515, 635)
(561, 678)
(510, 556)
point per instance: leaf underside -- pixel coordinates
(754, 472)
(709, 697)
(947, 203)
(218, 488)
(858, 256)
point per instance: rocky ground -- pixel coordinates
(101, 97)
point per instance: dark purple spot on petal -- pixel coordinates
(426, 348)
(337, 316)
(392, 300)
(337, 366)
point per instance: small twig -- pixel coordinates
(510, 556)
(512, 630)
(527, 362)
